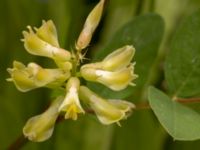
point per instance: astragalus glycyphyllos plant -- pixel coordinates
(115, 71)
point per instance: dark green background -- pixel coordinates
(142, 130)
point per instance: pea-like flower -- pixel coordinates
(44, 42)
(34, 76)
(71, 104)
(107, 111)
(115, 71)
(40, 127)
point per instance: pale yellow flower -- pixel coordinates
(116, 71)
(34, 76)
(40, 127)
(44, 42)
(71, 104)
(107, 111)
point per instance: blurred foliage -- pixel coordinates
(182, 73)
(141, 131)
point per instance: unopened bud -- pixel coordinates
(90, 25)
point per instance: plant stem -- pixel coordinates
(21, 140)
(188, 100)
(18, 143)
(142, 106)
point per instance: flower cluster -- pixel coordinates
(115, 71)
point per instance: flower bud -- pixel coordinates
(119, 59)
(90, 25)
(40, 127)
(37, 46)
(107, 112)
(71, 104)
(33, 76)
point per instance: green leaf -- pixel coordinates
(144, 33)
(182, 68)
(181, 122)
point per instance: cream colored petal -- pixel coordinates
(40, 127)
(21, 81)
(36, 46)
(71, 104)
(89, 73)
(106, 111)
(34, 76)
(71, 99)
(119, 58)
(48, 33)
(126, 107)
(117, 80)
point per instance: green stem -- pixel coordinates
(75, 62)
(18, 143)
(145, 105)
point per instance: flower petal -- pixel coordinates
(36, 46)
(40, 127)
(107, 112)
(48, 33)
(33, 76)
(71, 104)
(119, 58)
(115, 80)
